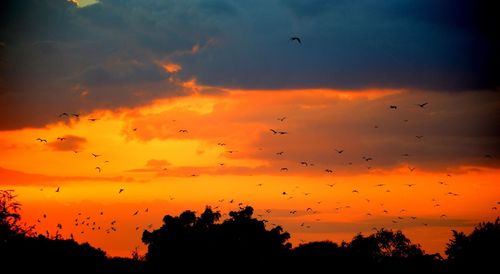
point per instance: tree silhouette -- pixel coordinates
(187, 238)
(480, 250)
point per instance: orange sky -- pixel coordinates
(144, 151)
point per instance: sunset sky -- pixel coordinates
(117, 112)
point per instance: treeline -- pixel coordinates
(240, 243)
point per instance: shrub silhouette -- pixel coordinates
(480, 250)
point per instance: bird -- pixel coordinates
(61, 138)
(295, 38)
(393, 107)
(328, 170)
(419, 137)
(284, 169)
(280, 153)
(409, 185)
(339, 151)
(303, 163)
(367, 158)
(283, 193)
(330, 185)
(121, 190)
(98, 169)
(41, 140)
(221, 144)
(93, 119)
(75, 115)
(95, 155)
(63, 114)
(134, 129)
(443, 216)
(278, 132)
(411, 169)
(355, 191)
(422, 105)
(135, 213)
(183, 130)
(281, 119)
(57, 190)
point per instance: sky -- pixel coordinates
(116, 113)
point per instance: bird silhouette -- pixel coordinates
(330, 185)
(411, 169)
(61, 138)
(419, 137)
(63, 114)
(303, 163)
(278, 132)
(393, 107)
(281, 119)
(183, 130)
(41, 140)
(280, 153)
(93, 119)
(284, 169)
(57, 190)
(422, 105)
(98, 169)
(95, 155)
(328, 170)
(121, 190)
(339, 151)
(296, 39)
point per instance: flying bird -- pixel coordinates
(57, 190)
(98, 169)
(93, 119)
(393, 107)
(61, 138)
(281, 119)
(296, 39)
(339, 151)
(422, 105)
(328, 170)
(41, 140)
(284, 169)
(63, 114)
(121, 190)
(95, 155)
(280, 153)
(183, 130)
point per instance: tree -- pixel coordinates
(480, 250)
(188, 238)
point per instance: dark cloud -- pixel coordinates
(68, 143)
(50, 51)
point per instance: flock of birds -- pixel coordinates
(83, 223)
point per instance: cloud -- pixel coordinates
(68, 143)
(458, 129)
(9, 177)
(54, 50)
